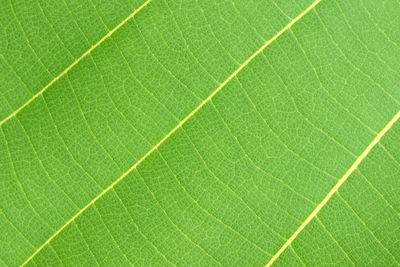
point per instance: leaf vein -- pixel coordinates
(15, 112)
(335, 189)
(194, 111)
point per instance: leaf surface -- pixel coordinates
(200, 133)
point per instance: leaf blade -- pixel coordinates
(260, 155)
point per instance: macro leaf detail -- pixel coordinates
(229, 132)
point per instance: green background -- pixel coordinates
(233, 183)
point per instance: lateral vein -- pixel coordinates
(334, 189)
(15, 112)
(155, 147)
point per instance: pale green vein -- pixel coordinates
(335, 189)
(156, 146)
(15, 112)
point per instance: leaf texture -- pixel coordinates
(229, 132)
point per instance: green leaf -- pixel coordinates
(229, 132)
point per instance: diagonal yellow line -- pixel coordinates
(74, 63)
(336, 187)
(244, 64)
